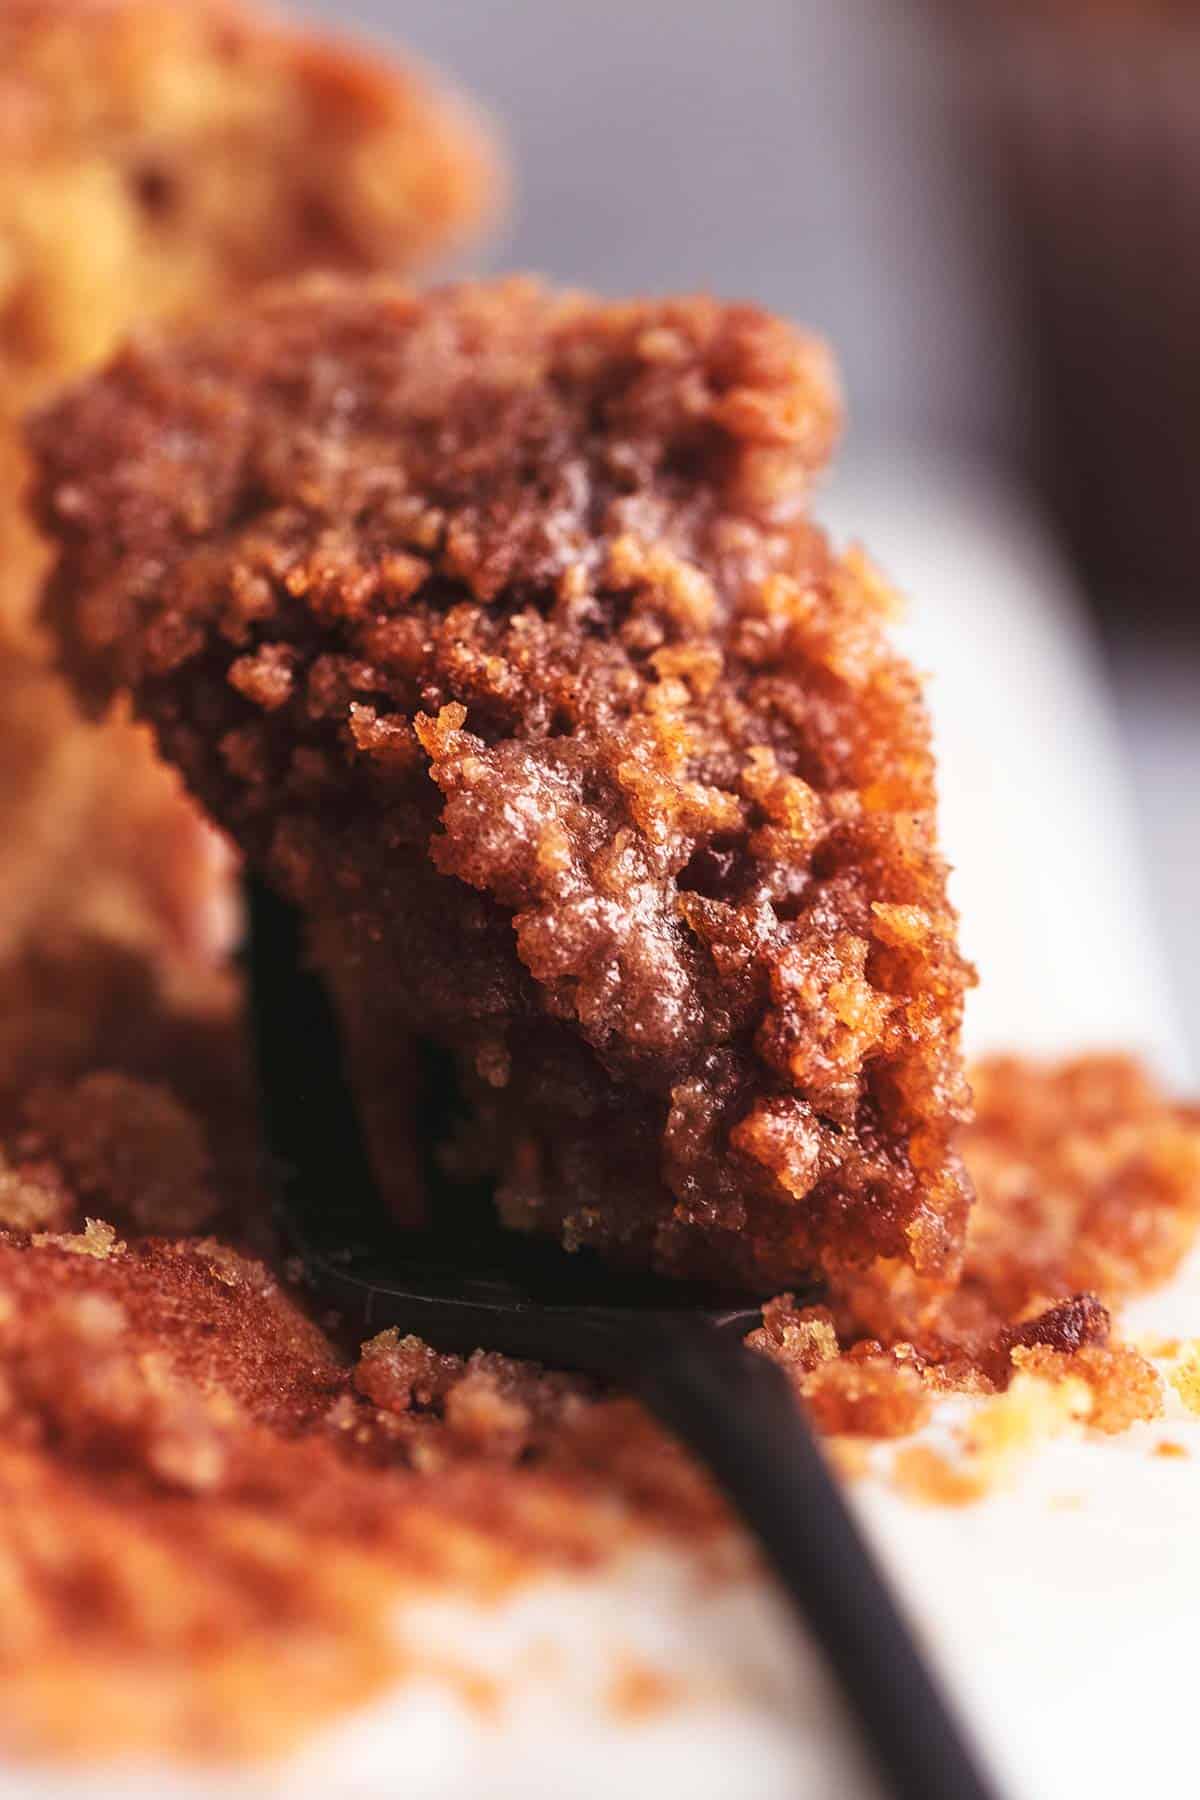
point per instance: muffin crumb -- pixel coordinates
(96, 1239)
(1185, 1376)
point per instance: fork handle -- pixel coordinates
(737, 1412)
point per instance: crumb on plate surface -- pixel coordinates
(211, 1502)
(1087, 1185)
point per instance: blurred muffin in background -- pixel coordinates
(154, 160)
(1087, 114)
(116, 902)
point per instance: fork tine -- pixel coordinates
(309, 1114)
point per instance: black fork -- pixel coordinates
(679, 1349)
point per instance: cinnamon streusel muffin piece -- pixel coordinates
(492, 625)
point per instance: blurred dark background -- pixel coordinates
(990, 210)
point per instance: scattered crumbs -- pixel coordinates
(850, 1456)
(1163, 1349)
(927, 1475)
(871, 1396)
(1067, 1502)
(1031, 1410)
(1003, 1430)
(280, 1490)
(1087, 1179)
(1171, 1450)
(798, 1337)
(1185, 1376)
(481, 1694)
(97, 1239)
(1124, 1388)
(639, 1691)
(1106, 1388)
